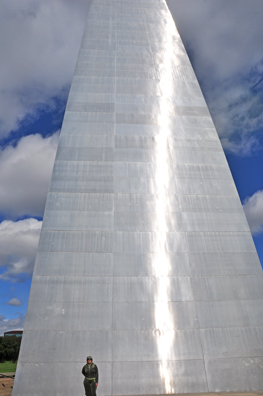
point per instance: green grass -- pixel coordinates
(8, 367)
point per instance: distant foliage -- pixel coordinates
(9, 348)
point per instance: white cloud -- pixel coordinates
(38, 52)
(226, 36)
(18, 246)
(25, 175)
(11, 324)
(15, 302)
(253, 207)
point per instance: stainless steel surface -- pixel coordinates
(186, 376)
(247, 374)
(145, 259)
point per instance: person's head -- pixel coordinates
(89, 359)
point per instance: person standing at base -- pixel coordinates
(91, 374)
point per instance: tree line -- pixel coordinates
(9, 348)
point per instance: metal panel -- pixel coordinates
(201, 171)
(85, 154)
(61, 316)
(134, 118)
(232, 342)
(143, 345)
(133, 169)
(141, 185)
(186, 376)
(71, 289)
(142, 316)
(86, 140)
(82, 202)
(221, 288)
(74, 176)
(134, 289)
(78, 220)
(90, 107)
(68, 170)
(240, 313)
(188, 186)
(142, 242)
(74, 263)
(243, 374)
(134, 155)
(224, 263)
(220, 242)
(147, 221)
(143, 202)
(89, 97)
(215, 222)
(90, 117)
(85, 128)
(140, 130)
(210, 203)
(138, 264)
(197, 156)
(76, 241)
(205, 144)
(79, 186)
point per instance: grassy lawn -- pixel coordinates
(7, 367)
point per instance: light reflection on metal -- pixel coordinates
(162, 265)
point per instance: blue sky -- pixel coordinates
(38, 51)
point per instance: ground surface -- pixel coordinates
(5, 386)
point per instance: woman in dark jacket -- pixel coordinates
(91, 374)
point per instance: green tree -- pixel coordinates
(9, 348)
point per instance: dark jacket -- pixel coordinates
(90, 371)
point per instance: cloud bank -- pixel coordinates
(39, 47)
(18, 246)
(25, 175)
(224, 42)
(253, 207)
